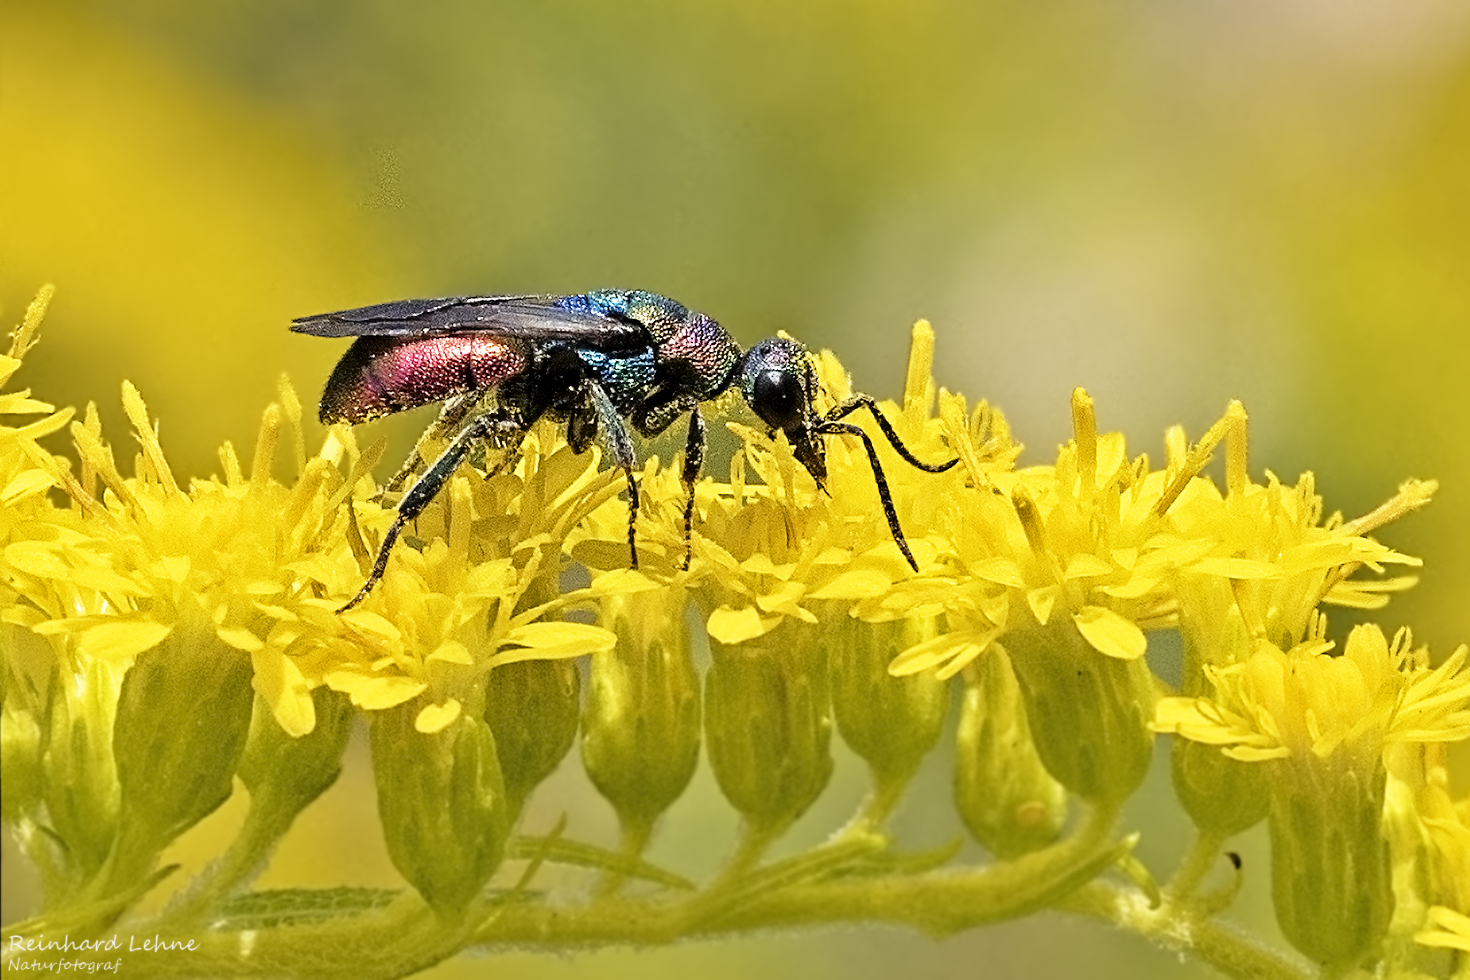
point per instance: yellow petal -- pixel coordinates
(1041, 602)
(240, 638)
(1086, 566)
(856, 584)
(36, 558)
(731, 626)
(281, 685)
(1002, 571)
(26, 484)
(1110, 633)
(1236, 568)
(437, 717)
(952, 649)
(123, 639)
(553, 641)
(453, 652)
(374, 691)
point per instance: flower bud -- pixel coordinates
(22, 713)
(768, 725)
(640, 743)
(1088, 711)
(79, 775)
(891, 722)
(1223, 796)
(442, 803)
(1008, 800)
(531, 707)
(20, 762)
(1330, 867)
(182, 717)
(287, 772)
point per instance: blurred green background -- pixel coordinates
(1170, 204)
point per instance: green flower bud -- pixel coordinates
(1009, 801)
(891, 722)
(768, 725)
(182, 718)
(80, 779)
(22, 711)
(287, 773)
(1088, 711)
(20, 762)
(1223, 796)
(640, 743)
(442, 803)
(1330, 867)
(531, 706)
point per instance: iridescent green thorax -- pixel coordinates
(695, 354)
(659, 313)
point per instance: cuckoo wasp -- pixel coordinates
(598, 362)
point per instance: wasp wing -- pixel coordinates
(529, 317)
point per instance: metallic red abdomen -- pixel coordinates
(382, 375)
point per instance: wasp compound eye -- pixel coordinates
(777, 397)
(777, 381)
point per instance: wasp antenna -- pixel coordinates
(831, 427)
(865, 401)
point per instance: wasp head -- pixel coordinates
(778, 378)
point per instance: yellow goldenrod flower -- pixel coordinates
(1271, 562)
(1067, 565)
(1448, 824)
(1321, 726)
(1303, 703)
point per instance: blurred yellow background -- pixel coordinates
(1170, 204)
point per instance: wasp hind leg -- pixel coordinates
(612, 436)
(652, 418)
(693, 464)
(491, 425)
(451, 417)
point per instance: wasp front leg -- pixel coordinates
(864, 401)
(828, 427)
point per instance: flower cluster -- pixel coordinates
(161, 638)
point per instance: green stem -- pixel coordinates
(877, 808)
(1197, 863)
(266, 823)
(405, 936)
(1171, 926)
(635, 841)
